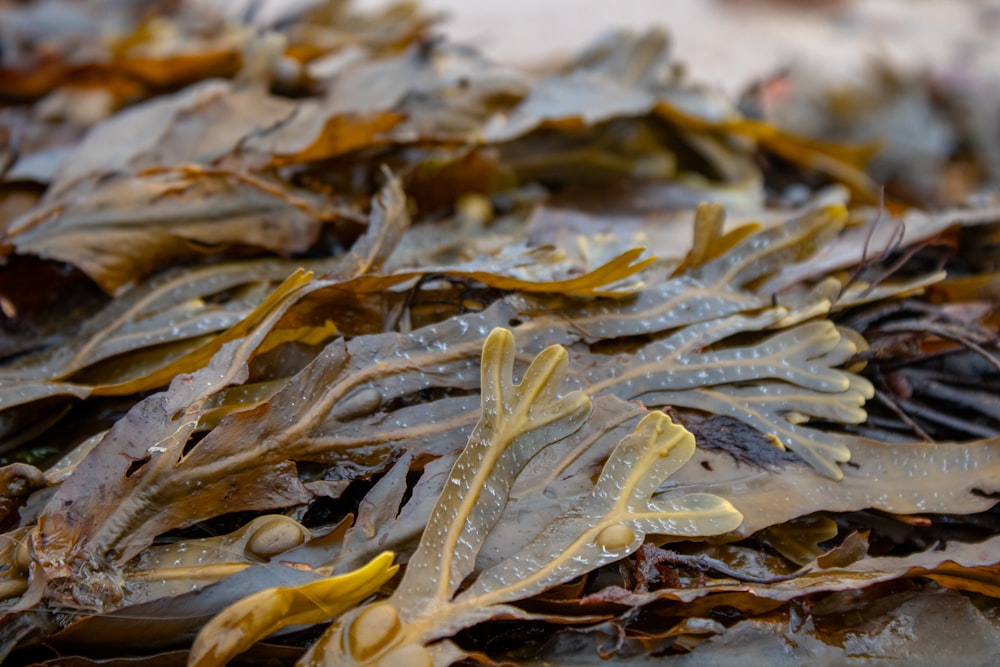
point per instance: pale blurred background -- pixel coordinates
(729, 43)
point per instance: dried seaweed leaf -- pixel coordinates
(199, 124)
(860, 292)
(383, 521)
(164, 328)
(805, 356)
(723, 286)
(962, 566)
(885, 476)
(607, 525)
(843, 163)
(768, 251)
(179, 567)
(341, 134)
(127, 229)
(148, 486)
(798, 540)
(169, 308)
(774, 409)
(316, 415)
(860, 243)
(613, 521)
(598, 282)
(795, 374)
(526, 272)
(517, 421)
(709, 240)
(560, 477)
(168, 622)
(254, 617)
(739, 341)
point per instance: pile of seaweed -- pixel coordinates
(328, 341)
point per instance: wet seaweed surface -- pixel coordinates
(326, 341)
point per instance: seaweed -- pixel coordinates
(518, 420)
(749, 403)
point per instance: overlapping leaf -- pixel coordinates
(258, 615)
(517, 421)
(746, 339)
